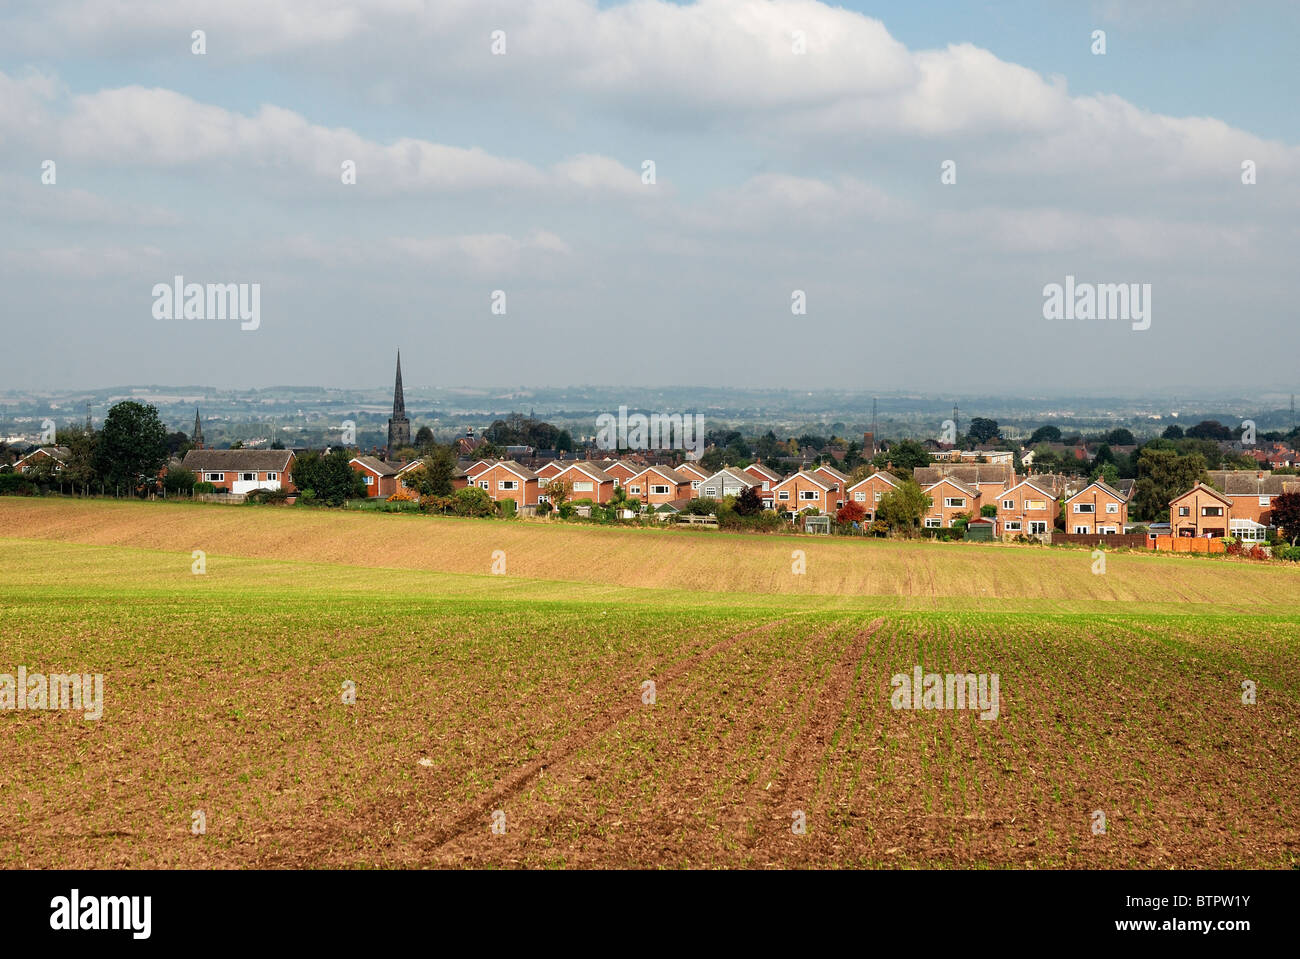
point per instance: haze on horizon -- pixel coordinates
(775, 171)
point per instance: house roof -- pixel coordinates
(236, 460)
(523, 472)
(1248, 482)
(587, 468)
(59, 453)
(833, 471)
(1033, 485)
(972, 474)
(1201, 486)
(889, 478)
(723, 474)
(806, 475)
(954, 483)
(667, 472)
(376, 466)
(764, 471)
(693, 469)
(1108, 490)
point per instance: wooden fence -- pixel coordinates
(1190, 544)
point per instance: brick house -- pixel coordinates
(1097, 509)
(988, 479)
(657, 485)
(803, 490)
(548, 472)
(725, 482)
(58, 454)
(508, 480)
(242, 471)
(949, 499)
(868, 492)
(1201, 511)
(622, 471)
(589, 482)
(380, 478)
(695, 473)
(1026, 509)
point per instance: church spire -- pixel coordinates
(197, 438)
(399, 427)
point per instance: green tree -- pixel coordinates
(1172, 432)
(132, 446)
(1045, 434)
(905, 455)
(433, 476)
(749, 503)
(79, 468)
(1162, 475)
(330, 477)
(901, 509)
(472, 501)
(1108, 473)
(1120, 437)
(424, 437)
(982, 430)
(1209, 430)
(179, 480)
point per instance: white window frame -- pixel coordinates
(859, 497)
(783, 494)
(584, 486)
(1265, 500)
(1037, 526)
(1107, 530)
(1081, 531)
(933, 522)
(214, 477)
(1205, 511)
(272, 477)
(1012, 526)
(484, 484)
(1184, 511)
(954, 502)
(1112, 507)
(508, 485)
(1008, 504)
(369, 480)
(808, 495)
(659, 490)
(1085, 508)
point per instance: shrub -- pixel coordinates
(472, 501)
(179, 480)
(544, 508)
(15, 484)
(307, 497)
(508, 508)
(567, 511)
(1290, 553)
(204, 487)
(404, 495)
(272, 496)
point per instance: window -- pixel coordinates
(214, 477)
(958, 502)
(1009, 504)
(1183, 511)
(248, 477)
(583, 487)
(483, 484)
(508, 484)
(933, 522)
(1107, 530)
(878, 495)
(695, 484)
(1035, 504)
(784, 494)
(859, 497)
(1264, 500)
(634, 490)
(1211, 510)
(272, 476)
(1112, 507)
(370, 480)
(806, 494)
(658, 490)
(1012, 526)
(1082, 529)
(1037, 526)
(1085, 507)
(710, 491)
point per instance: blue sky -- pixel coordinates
(817, 171)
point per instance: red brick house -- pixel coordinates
(1026, 509)
(242, 471)
(1097, 509)
(1201, 511)
(657, 485)
(509, 480)
(380, 478)
(803, 491)
(58, 454)
(868, 492)
(949, 499)
(589, 482)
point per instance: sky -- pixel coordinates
(913, 176)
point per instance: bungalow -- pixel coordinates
(1201, 511)
(805, 491)
(242, 471)
(869, 492)
(657, 485)
(588, 482)
(1027, 509)
(58, 455)
(950, 499)
(380, 478)
(1097, 509)
(725, 482)
(508, 480)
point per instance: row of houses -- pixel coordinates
(1026, 505)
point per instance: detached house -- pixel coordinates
(621, 470)
(1026, 509)
(656, 485)
(950, 499)
(1201, 511)
(56, 454)
(588, 481)
(380, 478)
(836, 480)
(695, 473)
(869, 492)
(1097, 509)
(803, 491)
(725, 482)
(1244, 509)
(508, 480)
(242, 471)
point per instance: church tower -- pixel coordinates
(197, 438)
(399, 427)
